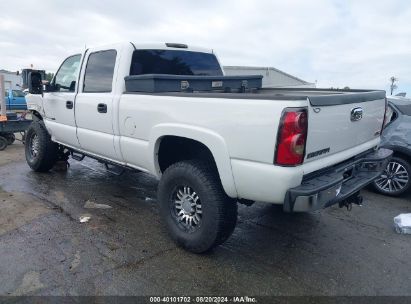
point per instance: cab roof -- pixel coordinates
(171, 45)
(157, 46)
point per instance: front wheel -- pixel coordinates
(395, 180)
(41, 152)
(198, 213)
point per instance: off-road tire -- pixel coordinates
(407, 166)
(47, 151)
(3, 143)
(219, 212)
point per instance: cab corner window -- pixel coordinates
(66, 77)
(98, 77)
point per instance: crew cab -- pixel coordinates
(305, 149)
(15, 100)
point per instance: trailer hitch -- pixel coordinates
(354, 199)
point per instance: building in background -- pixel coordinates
(272, 77)
(12, 80)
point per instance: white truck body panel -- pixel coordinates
(213, 122)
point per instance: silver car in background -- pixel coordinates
(396, 179)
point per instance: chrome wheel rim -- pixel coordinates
(187, 208)
(34, 146)
(394, 178)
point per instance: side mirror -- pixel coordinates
(48, 87)
(35, 83)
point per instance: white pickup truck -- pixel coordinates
(306, 149)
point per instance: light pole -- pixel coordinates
(393, 86)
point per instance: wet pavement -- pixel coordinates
(125, 250)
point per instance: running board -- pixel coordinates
(77, 156)
(113, 169)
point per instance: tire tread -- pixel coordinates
(226, 207)
(48, 150)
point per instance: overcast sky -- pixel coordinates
(334, 42)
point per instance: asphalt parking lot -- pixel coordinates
(124, 250)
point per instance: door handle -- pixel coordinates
(69, 104)
(102, 108)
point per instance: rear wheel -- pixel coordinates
(3, 143)
(198, 213)
(41, 152)
(395, 180)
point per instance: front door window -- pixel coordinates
(66, 77)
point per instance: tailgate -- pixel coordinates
(342, 121)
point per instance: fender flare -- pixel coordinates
(213, 141)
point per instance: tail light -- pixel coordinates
(292, 137)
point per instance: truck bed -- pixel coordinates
(333, 133)
(317, 97)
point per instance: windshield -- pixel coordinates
(174, 62)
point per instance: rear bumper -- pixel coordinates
(336, 184)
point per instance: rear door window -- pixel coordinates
(99, 72)
(174, 62)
